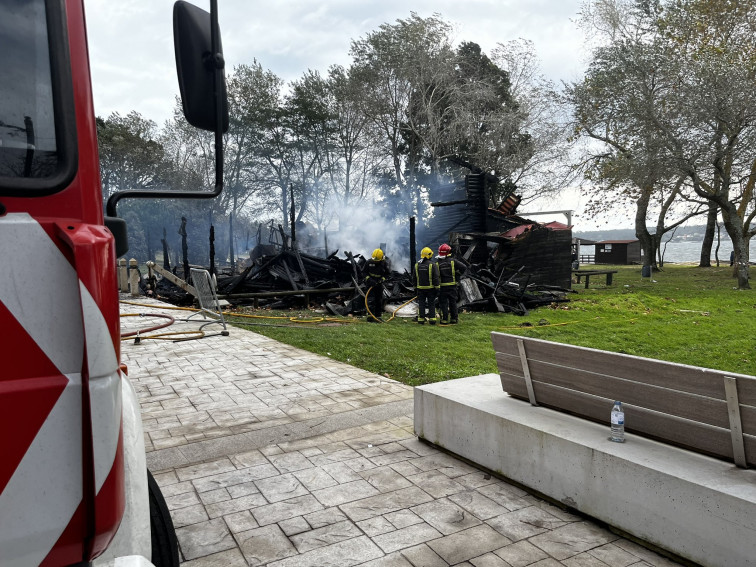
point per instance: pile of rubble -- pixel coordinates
(288, 278)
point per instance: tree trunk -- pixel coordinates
(711, 225)
(647, 240)
(734, 226)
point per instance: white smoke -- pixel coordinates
(364, 228)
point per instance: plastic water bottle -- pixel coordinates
(618, 423)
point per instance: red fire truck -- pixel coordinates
(74, 486)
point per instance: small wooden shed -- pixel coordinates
(618, 252)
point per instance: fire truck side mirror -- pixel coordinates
(117, 226)
(196, 65)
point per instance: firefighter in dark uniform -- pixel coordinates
(449, 270)
(427, 282)
(376, 272)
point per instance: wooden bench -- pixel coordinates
(708, 411)
(588, 273)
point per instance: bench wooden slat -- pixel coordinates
(693, 435)
(746, 388)
(689, 379)
(689, 406)
(679, 404)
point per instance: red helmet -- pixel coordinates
(444, 250)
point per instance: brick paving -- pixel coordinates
(271, 455)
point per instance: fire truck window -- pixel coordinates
(27, 123)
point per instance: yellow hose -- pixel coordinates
(393, 314)
(370, 313)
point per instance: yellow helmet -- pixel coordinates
(426, 252)
(377, 254)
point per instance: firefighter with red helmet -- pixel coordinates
(427, 283)
(449, 272)
(376, 272)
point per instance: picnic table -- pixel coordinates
(588, 273)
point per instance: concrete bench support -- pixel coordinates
(697, 507)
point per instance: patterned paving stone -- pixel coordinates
(391, 560)
(235, 505)
(189, 515)
(510, 497)
(423, 555)
(205, 469)
(569, 540)
(234, 477)
(273, 513)
(290, 462)
(376, 526)
(477, 504)
(385, 503)
(343, 493)
(489, 560)
(583, 560)
(613, 555)
(230, 558)
(436, 483)
(294, 526)
(214, 496)
(283, 487)
(524, 523)
(326, 535)
(264, 545)
(446, 516)
(403, 518)
(240, 521)
(243, 489)
(182, 500)
(548, 562)
(324, 517)
(521, 553)
(204, 538)
(315, 478)
(465, 545)
(342, 554)
(644, 554)
(385, 479)
(406, 537)
(341, 472)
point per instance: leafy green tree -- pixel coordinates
(131, 155)
(669, 93)
(390, 63)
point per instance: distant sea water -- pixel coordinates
(686, 251)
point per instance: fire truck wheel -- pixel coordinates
(164, 542)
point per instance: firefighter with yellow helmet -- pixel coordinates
(427, 283)
(376, 271)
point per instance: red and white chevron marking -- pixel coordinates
(50, 322)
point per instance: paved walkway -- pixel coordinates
(271, 455)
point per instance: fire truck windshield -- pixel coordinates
(28, 144)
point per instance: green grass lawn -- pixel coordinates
(683, 314)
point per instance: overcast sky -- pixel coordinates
(133, 66)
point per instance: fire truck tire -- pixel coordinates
(164, 542)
